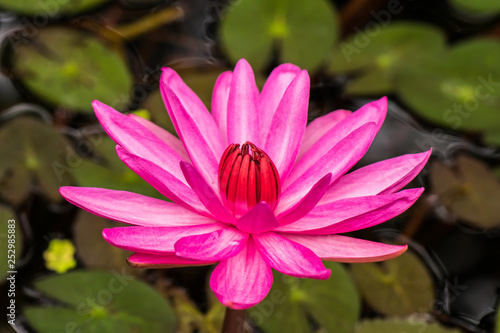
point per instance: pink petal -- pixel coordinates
(319, 127)
(354, 213)
(164, 182)
(220, 99)
(288, 125)
(337, 161)
(154, 240)
(306, 204)
(272, 93)
(171, 80)
(289, 257)
(347, 249)
(206, 193)
(257, 220)
(373, 112)
(137, 139)
(171, 140)
(242, 115)
(242, 281)
(197, 130)
(382, 177)
(145, 260)
(131, 207)
(215, 246)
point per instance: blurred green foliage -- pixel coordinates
(449, 80)
(71, 68)
(400, 286)
(100, 302)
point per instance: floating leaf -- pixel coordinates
(478, 6)
(303, 31)
(46, 10)
(399, 286)
(492, 138)
(378, 56)
(71, 68)
(110, 172)
(59, 256)
(6, 215)
(410, 325)
(449, 93)
(100, 302)
(91, 247)
(333, 303)
(31, 149)
(470, 190)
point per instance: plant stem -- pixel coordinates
(150, 22)
(234, 321)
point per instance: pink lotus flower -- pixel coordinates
(252, 187)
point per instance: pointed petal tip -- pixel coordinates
(242, 62)
(325, 275)
(288, 67)
(243, 66)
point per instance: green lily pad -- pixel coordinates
(31, 149)
(478, 6)
(378, 56)
(492, 138)
(303, 31)
(410, 325)
(109, 171)
(455, 95)
(333, 303)
(71, 68)
(100, 302)
(399, 286)
(6, 215)
(93, 250)
(49, 9)
(470, 190)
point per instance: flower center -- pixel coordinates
(247, 176)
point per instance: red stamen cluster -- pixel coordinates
(247, 176)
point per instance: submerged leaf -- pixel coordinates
(106, 170)
(399, 286)
(470, 190)
(91, 247)
(35, 151)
